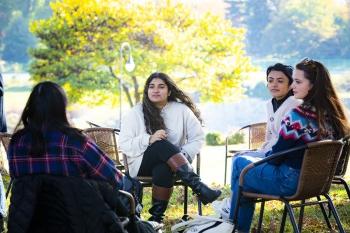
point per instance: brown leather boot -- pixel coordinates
(179, 164)
(160, 200)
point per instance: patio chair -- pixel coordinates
(316, 174)
(256, 137)
(343, 165)
(106, 140)
(5, 140)
(146, 181)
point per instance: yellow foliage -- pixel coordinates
(81, 42)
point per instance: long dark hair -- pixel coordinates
(324, 98)
(45, 110)
(153, 119)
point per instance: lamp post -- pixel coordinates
(129, 66)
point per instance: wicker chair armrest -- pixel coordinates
(240, 151)
(93, 124)
(346, 138)
(276, 155)
(99, 126)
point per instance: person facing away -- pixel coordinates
(160, 137)
(320, 116)
(45, 143)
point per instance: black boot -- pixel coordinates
(157, 210)
(184, 170)
(160, 200)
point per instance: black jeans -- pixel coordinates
(154, 163)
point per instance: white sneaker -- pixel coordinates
(156, 226)
(222, 208)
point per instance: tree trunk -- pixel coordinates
(136, 89)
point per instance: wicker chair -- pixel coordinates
(105, 138)
(316, 174)
(256, 137)
(5, 140)
(146, 181)
(343, 165)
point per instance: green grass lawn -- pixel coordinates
(313, 218)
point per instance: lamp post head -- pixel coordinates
(130, 64)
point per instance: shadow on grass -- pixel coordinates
(313, 218)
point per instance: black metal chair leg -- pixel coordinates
(225, 170)
(335, 214)
(185, 216)
(262, 207)
(301, 215)
(346, 186)
(9, 188)
(283, 220)
(324, 213)
(292, 217)
(199, 207)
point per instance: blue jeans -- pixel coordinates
(266, 179)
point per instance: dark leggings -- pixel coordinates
(154, 163)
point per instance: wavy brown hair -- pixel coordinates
(324, 98)
(153, 119)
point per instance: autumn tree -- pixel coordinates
(79, 48)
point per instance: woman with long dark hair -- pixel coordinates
(161, 137)
(45, 143)
(319, 117)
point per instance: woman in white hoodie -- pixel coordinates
(160, 138)
(279, 80)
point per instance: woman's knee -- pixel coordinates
(238, 164)
(164, 149)
(161, 144)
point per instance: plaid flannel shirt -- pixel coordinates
(64, 156)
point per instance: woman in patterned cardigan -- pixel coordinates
(321, 116)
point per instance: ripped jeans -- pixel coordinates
(265, 178)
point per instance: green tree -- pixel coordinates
(254, 15)
(17, 40)
(294, 28)
(6, 9)
(79, 48)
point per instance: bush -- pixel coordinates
(214, 139)
(236, 138)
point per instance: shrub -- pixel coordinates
(236, 138)
(214, 139)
